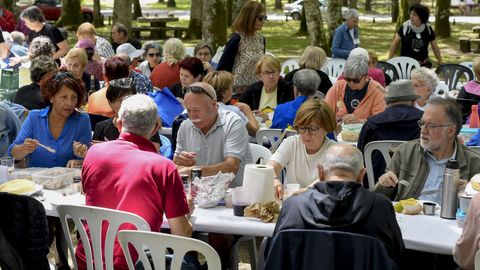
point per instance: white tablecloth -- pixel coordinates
(420, 232)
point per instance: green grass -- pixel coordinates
(283, 41)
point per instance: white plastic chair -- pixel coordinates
(334, 67)
(289, 65)
(270, 135)
(94, 217)
(260, 153)
(157, 244)
(384, 147)
(165, 131)
(404, 66)
(441, 90)
(218, 54)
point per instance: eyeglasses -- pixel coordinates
(269, 73)
(62, 75)
(154, 54)
(121, 83)
(262, 18)
(198, 90)
(422, 124)
(203, 54)
(355, 80)
(312, 130)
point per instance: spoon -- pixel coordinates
(49, 149)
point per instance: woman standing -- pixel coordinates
(415, 34)
(346, 36)
(245, 47)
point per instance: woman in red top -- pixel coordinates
(167, 73)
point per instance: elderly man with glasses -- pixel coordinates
(417, 167)
(212, 139)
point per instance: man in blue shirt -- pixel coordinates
(305, 85)
(9, 126)
(346, 36)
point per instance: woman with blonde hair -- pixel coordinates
(222, 82)
(245, 46)
(300, 154)
(167, 73)
(76, 63)
(271, 89)
(314, 58)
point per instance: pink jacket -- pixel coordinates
(371, 104)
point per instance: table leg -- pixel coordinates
(158, 34)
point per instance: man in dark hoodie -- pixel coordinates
(398, 122)
(339, 202)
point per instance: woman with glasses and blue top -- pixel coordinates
(245, 46)
(60, 129)
(357, 96)
(300, 154)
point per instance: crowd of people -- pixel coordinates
(92, 106)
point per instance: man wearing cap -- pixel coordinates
(397, 122)
(130, 55)
(212, 139)
(417, 167)
(120, 36)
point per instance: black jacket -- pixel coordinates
(252, 94)
(398, 122)
(347, 207)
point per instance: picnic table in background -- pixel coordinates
(158, 27)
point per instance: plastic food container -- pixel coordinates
(460, 218)
(54, 178)
(467, 133)
(25, 173)
(350, 132)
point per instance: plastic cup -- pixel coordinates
(239, 201)
(8, 162)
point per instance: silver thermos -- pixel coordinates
(451, 179)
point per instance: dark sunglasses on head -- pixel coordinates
(154, 54)
(355, 80)
(197, 90)
(62, 75)
(262, 18)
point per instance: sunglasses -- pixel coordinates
(262, 18)
(122, 83)
(355, 80)
(62, 75)
(154, 54)
(197, 90)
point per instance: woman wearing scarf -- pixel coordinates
(415, 35)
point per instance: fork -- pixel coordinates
(49, 149)
(404, 182)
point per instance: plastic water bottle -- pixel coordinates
(451, 179)
(474, 117)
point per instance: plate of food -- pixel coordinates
(411, 206)
(350, 132)
(21, 187)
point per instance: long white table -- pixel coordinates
(420, 232)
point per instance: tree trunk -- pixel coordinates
(344, 3)
(71, 14)
(395, 10)
(97, 15)
(353, 4)
(137, 9)
(442, 15)
(214, 26)
(195, 23)
(264, 2)
(171, 3)
(122, 12)
(368, 5)
(278, 4)
(315, 24)
(303, 25)
(229, 9)
(404, 13)
(334, 20)
(161, 1)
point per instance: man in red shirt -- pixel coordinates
(128, 174)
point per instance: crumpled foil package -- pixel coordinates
(267, 212)
(211, 189)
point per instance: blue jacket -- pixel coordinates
(285, 113)
(9, 126)
(77, 128)
(342, 41)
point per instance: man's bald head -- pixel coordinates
(341, 162)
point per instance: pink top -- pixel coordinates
(129, 175)
(371, 104)
(469, 242)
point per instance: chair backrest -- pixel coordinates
(441, 90)
(289, 65)
(388, 69)
(270, 135)
(334, 67)
(260, 154)
(218, 54)
(157, 244)
(307, 249)
(452, 74)
(404, 66)
(468, 64)
(93, 217)
(385, 147)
